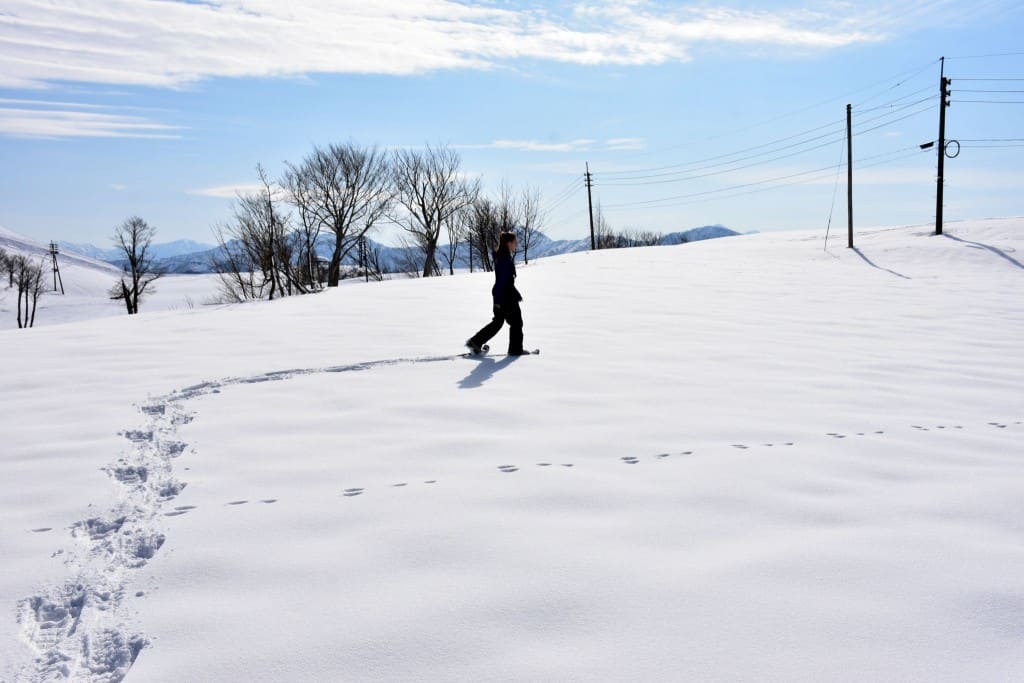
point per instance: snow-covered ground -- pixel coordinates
(87, 284)
(746, 460)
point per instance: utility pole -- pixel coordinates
(943, 103)
(365, 255)
(849, 176)
(54, 251)
(588, 178)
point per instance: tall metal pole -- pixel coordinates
(849, 176)
(588, 179)
(943, 103)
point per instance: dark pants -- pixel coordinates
(513, 315)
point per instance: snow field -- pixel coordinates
(785, 464)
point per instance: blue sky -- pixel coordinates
(688, 113)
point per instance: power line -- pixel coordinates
(988, 101)
(903, 76)
(989, 91)
(660, 179)
(898, 99)
(902, 118)
(995, 54)
(561, 194)
(730, 154)
(896, 110)
(990, 79)
(562, 201)
(692, 166)
(625, 181)
(821, 175)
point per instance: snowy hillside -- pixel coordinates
(87, 283)
(187, 257)
(165, 250)
(750, 459)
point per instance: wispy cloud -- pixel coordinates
(55, 120)
(625, 144)
(578, 145)
(174, 43)
(226, 191)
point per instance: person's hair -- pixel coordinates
(505, 239)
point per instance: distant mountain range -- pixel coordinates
(187, 256)
(160, 251)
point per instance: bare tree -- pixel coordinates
(350, 190)
(430, 190)
(604, 235)
(4, 261)
(28, 278)
(133, 239)
(372, 261)
(9, 265)
(257, 251)
(457, 227)
(483, 228)
(530, 220)
(507, 209)
(410, 257)
(302, 194)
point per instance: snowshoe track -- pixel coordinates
(76, 629)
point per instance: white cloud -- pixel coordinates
(535, 146)
(579, 145)
(625, 144)
(226, 191)
(43, 119)
(174, 43)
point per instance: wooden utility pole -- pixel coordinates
(54, 251)
(588, 178)
(943, 103)
(849, 176)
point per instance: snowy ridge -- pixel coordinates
(87, 285)
(13, 242)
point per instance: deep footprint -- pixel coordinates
(508, 468)
(352, 492)
(238, 502)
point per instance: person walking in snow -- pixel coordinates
(506, 300)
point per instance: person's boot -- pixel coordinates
(474, 348)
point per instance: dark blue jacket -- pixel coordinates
(504, 290)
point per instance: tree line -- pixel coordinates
(268, 248)
(24, 275)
